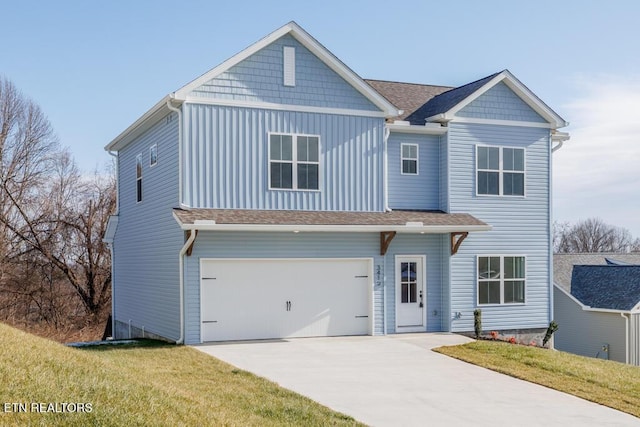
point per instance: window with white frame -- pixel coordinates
(294, 162)
(153, 155)
(501, 279)
(409, 159)
(500, 171)
(139, 177)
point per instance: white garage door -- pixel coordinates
(245, 299)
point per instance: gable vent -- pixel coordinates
(289, 66)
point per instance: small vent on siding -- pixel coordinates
(289, 66)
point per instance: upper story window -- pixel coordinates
(153, 155)
(139, 177)
(409, 159)
(500, 171)
(501, 279)
(294, 162)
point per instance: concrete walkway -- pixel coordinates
(396, 380)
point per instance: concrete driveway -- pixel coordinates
(396, 380)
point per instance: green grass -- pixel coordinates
(606, 382)
(144, 385)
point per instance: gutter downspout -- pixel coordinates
(113, 276)
(192, 237)
(385, 168)
(179, 112)
(627, 350)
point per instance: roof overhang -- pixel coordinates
(550, 116)
(584, 307)
(426, 129)
(207, 220)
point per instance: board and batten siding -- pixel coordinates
(421, 191)
(148, 239)
(226, 159)
(500, 103)
(259, 78)
(521, 225)
(586, 332)
(323, 245)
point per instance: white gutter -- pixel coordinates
(626, 336)
(385, 170)
(560, 138)
(192, 237)
(179, 111)
(427, 129)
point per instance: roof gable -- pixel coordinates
(446, 106)
(259, 78)
(305, 39)
(615, 287)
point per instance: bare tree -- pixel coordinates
(593, 235)
(52, 220)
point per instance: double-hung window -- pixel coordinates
(139, 178)
(294, 162)
(409, 159)
(501, 279)
(500, 171)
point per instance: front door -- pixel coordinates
(410, 293)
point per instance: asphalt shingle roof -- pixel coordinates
(563, 264)
(294, 217)
(615, 287)
(406, 96)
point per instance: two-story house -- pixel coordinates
(281, 195)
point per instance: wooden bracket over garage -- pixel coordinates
(385, 240)
(456, 240)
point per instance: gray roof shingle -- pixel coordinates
(406, 96)
(563, 264)
(294, 217)
(615, 287)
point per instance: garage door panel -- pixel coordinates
(257, 299)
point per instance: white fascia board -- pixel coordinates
(544, 125)
(433, 229)
(283, 107)
(560, 136)
(589, 308)
(427, 129)
(315, 47)
(139, 126)
(519, 89)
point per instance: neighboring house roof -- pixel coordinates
(407, 97)
(614, 287)
(401, 221)
(563, 264)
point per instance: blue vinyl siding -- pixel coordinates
(148, 239)
(521, 225)
(322, 245)
(226, 159)
(421, 191)
(259, 78)
(500, 103)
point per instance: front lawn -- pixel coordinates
(606, 382)
(44, 383)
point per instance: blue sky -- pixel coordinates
(95, 67)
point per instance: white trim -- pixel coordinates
(312, 45)
(416, 159)
(427, 229)
(371, 286)
(459, 119)
(139, 126)
(398, 258)
(501, 171)
(282, 107)
(589, 308)
(427, 129)
(521, 91)
(294, 162)
(501, 279)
